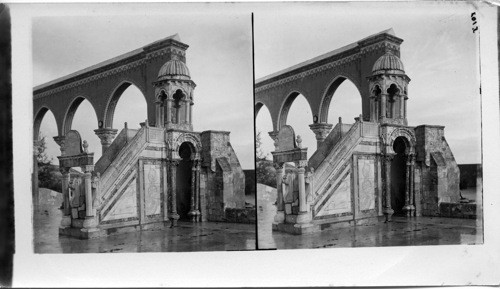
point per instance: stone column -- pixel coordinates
(387, 210)
(280, 206)
(197, 203)
(405, 111)
(178, 113)
(187, 107)
(168, 113)
(66, 214)
(412, 184)
(191, 112)
(87, 177)
(159, 114)
(106, 135)
(407, 207)
(383, 106)
(303, 216)
(321, 130)
(401, 106)
(192, 212)
(173, 216)
(35, 193)
(373, 108)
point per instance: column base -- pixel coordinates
(279, 217)
(65, 221)
(173, 219)
(388, 212)
(409, 209)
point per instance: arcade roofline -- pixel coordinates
(336, 54)
(140, 53)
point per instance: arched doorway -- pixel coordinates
(183, 180)
(398, 175)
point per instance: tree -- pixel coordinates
(265, 171)
(48, 175)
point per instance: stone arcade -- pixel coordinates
(361, 172)
(147, 177)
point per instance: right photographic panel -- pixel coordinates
(368, 125)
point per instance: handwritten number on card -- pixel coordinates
(474, 22)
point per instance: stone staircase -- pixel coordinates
(327, 172)
(118, 164)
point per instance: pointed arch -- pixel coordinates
(38, 118)
(285, 107)
(115, 96)
(71, 110)
(329, 93)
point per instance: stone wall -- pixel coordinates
(440, 173)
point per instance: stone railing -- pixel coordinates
(337, 156)
(114, 149)
(123, 162)
(328, 144)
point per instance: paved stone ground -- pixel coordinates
(187, 237)
(400, 232)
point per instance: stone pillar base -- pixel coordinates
(279, 217)
(303, 218)
(65, 221)
(173, 219)
(193, 216)
(388, 214)
(409, 209)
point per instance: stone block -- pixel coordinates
(288, 209)
(74, 213)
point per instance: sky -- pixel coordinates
(439, 54)
(219, 59)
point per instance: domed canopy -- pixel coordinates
(388, 61)
(174, 69)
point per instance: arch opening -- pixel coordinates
(392, 101)
(343, 100)
(263, 125)
(184, 179)
(297, 113)
(127, 104)
(45, 127)
(179, 107)
(82, 118)
(398, 175)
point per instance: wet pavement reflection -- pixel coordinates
(187, 237)
(400, 232)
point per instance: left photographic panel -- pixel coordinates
(143, 132)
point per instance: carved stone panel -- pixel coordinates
(286, 138)
(366, 179)
(152, 189)
(126, 206)
(72, 144)
(340, 198)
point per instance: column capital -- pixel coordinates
(321, 130)
(88, 169)
(273, 135)
(388, 157)
(278, 166)
(301, 164)
(106, 135)
(64, 170)
(173, 163)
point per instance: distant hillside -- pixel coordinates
(249, 182)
